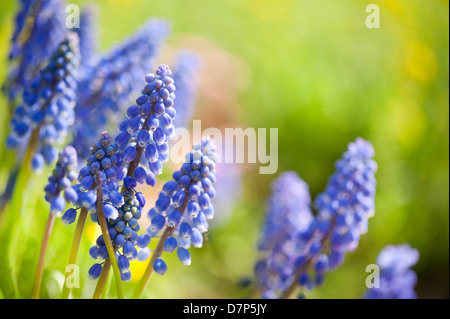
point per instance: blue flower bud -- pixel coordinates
(178, 198)
(116, 198)
(143, 138)
(162, 203)
(127, 231)
(159, 136)
(123, 138)
(69, 216)
(37, 162)
(89, 198)
(185, 230)
(110, 211)
(193, 208)
(155, 167)
(102, 253)
(158, 223)
(143, 241)
(129, 182)
(120, 240)
(133, 111)
(125, 276)
(151, 179)
(93, 252)
(174, 218)
(141, 199)
(57, 205)
(128, 249)
(160, 266)
(123, 263)
(95, 271)
(204, 201)
(151, 153)
(194, 191)
(140, 174)
(196, 238)
(86, 183)
(321, 265)
(129, 154)
(143, 254)
(184, 256)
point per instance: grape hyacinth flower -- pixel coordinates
(59, 189)
(288, 217)
(123, 233)
(59, 181)
(101, 163)
(343, 210)
(183, 208)
(397, 280)
(110, 79)
(46, 114)
(147, 128)
(348, 202)
(123, 209)
(98, 194)
(39, 28)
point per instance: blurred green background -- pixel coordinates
(313, 70)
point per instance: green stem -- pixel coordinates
(107, 238)
(156, 254)
(102, 280)
(107, 285)
(149, 270)
(74, 250)
(43, 252)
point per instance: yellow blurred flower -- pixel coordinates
(420, 61)
(137, 269)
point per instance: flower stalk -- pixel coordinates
(109, 246)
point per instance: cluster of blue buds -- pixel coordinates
(39, 28)
(348, 201)
(148, 126)
(123, 234)
(396, 280)
(122, 210)
(48, 102)
(184, 204)
(101, 163)
(288, 216)
(110, 79)
(61, 180)
(343, 210)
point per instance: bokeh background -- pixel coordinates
(313, 70)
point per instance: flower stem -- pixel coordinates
(156, 254)
(290, 290)
(102, 280)
(308, 263)
(107, 285)
(107, 238)
(40, 265)
(74, 250)
(149, 270)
